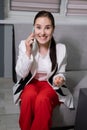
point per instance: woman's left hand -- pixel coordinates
(59, 81)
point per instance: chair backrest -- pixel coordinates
(75, 38)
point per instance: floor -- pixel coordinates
(9, 112)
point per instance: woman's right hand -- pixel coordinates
(28, 44)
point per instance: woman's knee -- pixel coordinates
(28, 93)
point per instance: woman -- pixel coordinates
(45, 66)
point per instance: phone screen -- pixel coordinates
(33, 30)
(33, 48)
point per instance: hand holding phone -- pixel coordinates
(30, 43)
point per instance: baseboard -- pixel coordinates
(62, 128)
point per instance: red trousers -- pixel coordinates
(37, 102)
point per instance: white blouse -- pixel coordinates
(44, 66)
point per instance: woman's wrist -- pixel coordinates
(28, 53)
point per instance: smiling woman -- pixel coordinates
(44, 70)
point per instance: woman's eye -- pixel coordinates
(38, 27)
(48, 27)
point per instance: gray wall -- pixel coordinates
(1, 39)
(1, 9)
(1, 50)
(5, 50)
(8, 50)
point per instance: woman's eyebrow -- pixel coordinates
(49, 25)
(45, 25)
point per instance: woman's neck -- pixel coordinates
(43, 49)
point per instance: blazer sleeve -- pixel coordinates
(24, 62)
(61, 60)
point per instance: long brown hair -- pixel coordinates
(53, 43)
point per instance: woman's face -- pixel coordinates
(43, 30)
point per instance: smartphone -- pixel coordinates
(34, 42)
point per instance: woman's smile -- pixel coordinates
(43, 38)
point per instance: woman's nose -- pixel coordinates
(42, 31)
